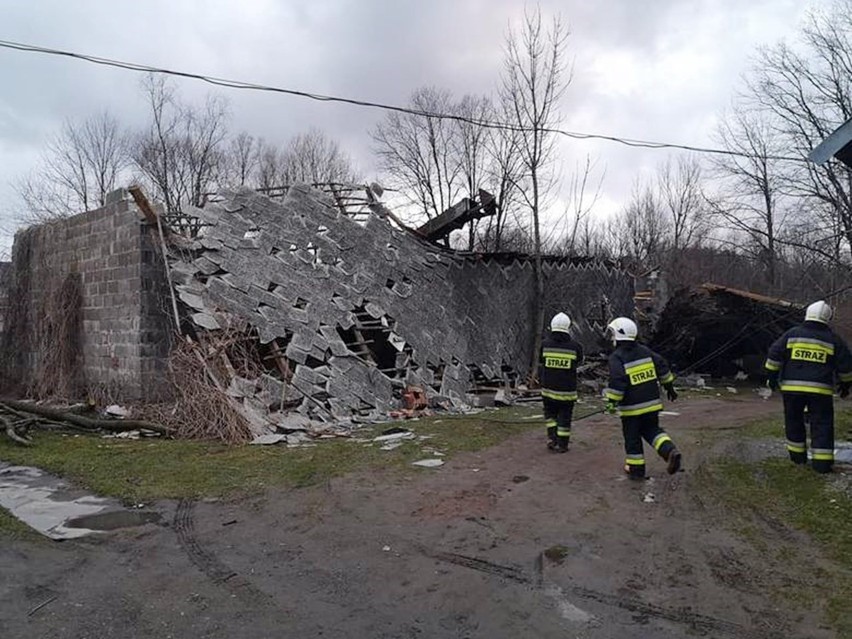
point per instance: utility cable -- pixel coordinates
(488, 124)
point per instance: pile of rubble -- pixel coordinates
(721, 331)
(347, 316)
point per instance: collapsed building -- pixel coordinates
(344, 313)
(721, 331)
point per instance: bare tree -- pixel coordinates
(181, 152)
(807, 94)
(643, 227)
(534, 80)
(682, 200)
(79, 166)
(418, 154)
(590, 239)
(270, 166)
(313, 158)
(241, 160)
(505, 179)
(471, 142)
(750, 197)
(581, 203)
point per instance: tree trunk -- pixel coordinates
(538, 297)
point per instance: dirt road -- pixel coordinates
(509, 542)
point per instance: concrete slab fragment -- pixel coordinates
(429, 463)
(266, 440)
(843, 454)
(55, 509)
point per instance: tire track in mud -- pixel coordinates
(203, 559)
(695, 621)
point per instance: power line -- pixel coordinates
(239, 84)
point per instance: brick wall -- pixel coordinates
(109, 258)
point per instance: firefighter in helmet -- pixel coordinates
(635, 375)
(806, 363)
(560, 356)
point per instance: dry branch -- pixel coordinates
(202, 408)
(112, 425)
(9, 427)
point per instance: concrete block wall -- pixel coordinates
(123, 337)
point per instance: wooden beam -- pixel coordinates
(143, 204)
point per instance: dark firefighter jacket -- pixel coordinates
(806, 359)
(560, 357)
(635, 375)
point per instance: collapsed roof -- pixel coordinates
(721, 330)
(351, 313)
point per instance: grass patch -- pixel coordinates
(13, 529)
(774, 426)
(843, 423)
(801, 499)
(143, 470)
(764, 428)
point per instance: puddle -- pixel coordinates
(58, 510)
(114, 520)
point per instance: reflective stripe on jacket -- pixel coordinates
(809, 359)
(635, 375)
(560, 357)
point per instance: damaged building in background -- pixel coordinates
(345, 312)
(721, 331)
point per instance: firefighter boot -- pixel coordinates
(633, 473)
(561, 444)
(551, 438)
(673, 460)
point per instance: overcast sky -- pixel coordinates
(654, 69)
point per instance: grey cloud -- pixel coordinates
(382, 51)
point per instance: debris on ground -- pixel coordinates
(395, 436)
(501, 398)
(266, 440)
(693, 380)
(414, 398)
(843, 454)
(19, 417)
(116, 411)
(428, 463)
(129, 434)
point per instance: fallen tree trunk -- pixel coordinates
(12, 434)
(113, 425)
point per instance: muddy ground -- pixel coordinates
(512, 542)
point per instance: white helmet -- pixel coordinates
(818, 312)
(622, 329)
(560, 323)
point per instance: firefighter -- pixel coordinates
(805, 363)
(635, 375)
(560, 356)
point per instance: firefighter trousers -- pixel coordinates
(557, 417)
(647, 427)
(820, 415)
